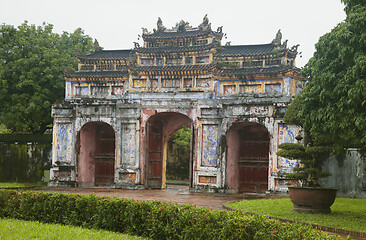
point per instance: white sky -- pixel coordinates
(117, 23)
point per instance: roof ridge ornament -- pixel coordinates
(294, 48)
(182, 26)
(145, 31)
(96, 46)
(160, 26)
(277, 40)
(205, 24)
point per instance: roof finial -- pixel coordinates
(144, 31)
(205, 23)
(181, 26)
(160, 25)
(97, 48)
(277, 40)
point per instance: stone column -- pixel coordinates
(62, 172)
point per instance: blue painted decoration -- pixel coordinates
(209, 145)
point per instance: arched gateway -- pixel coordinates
(248, 157)
(121, 107)
(96, 154)
(159, 128)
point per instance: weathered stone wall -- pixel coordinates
(210, 116)
(24, 158)
(348, 174)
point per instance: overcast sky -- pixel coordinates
(116, 23)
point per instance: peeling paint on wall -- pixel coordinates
(129, 144)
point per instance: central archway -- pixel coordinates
(159, 128)
(248, 157)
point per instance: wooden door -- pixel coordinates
(253, 162)
(155, 154)
(104, 156)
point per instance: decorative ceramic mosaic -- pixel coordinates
(209, 145)
(287, 134)
(273, 88)
(64, 142)
(254, 88)
(139, 83)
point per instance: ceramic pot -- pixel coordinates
(317, 200)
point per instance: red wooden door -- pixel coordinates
(104, 156)
(253, 162)
(155, 154)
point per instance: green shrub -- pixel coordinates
(154, 219)
(311, 157)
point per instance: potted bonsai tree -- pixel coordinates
(309, 196)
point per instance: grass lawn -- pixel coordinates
(16, 185)
(347, 213)
(12, 184)
(18, 229)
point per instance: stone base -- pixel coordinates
(207, 189)
(62, 184)
(129, 186)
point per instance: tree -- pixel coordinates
(332, 107)
(179, 146)
(32, 63)
(311, 158)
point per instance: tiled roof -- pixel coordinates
(241, 50)
(97, 74)
(258, 71)
(108, 54)
(175, 34)
(181, 69)
(175, 49)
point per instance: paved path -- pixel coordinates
(174, 193)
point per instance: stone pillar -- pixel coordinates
(207, 173)
(62, 172)
(128, 173)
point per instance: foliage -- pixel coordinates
(292, 112)
(32, 63)
(154, 219)
(26, 138)
(3, 129)
(23, 159)
(182, 138)
(18, 229)
(179, 148)
(310, 158)
(347, 213)
(332, 107)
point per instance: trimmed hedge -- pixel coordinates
(154, 219)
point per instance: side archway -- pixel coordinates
(96, 155)
(248, 157)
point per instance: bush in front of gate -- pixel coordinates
(157, 220)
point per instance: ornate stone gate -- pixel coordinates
(232, 97)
